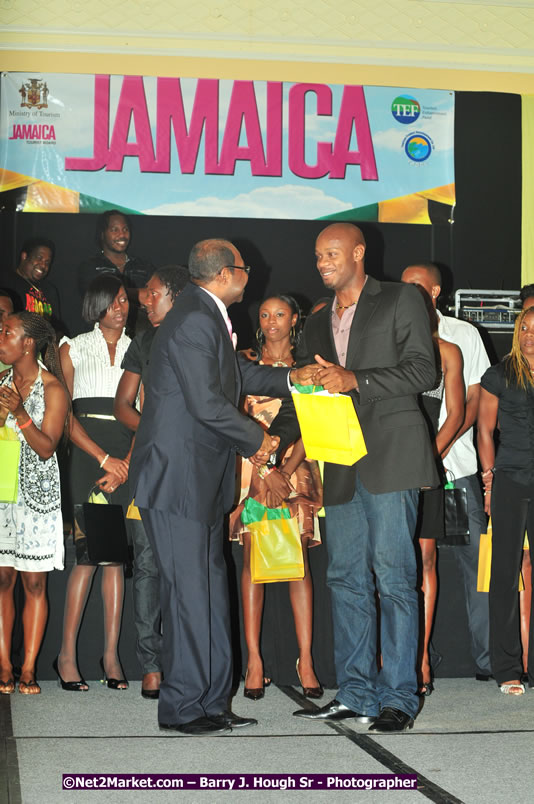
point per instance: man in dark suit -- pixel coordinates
(373, 342)
(183, 475)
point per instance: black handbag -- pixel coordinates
(456, 517)
(100, 533)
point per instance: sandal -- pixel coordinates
(426, 688)
(512, 689)
(7, 687)
(29, 687)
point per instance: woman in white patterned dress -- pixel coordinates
(34, 404)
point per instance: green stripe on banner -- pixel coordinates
(366, 213)
(90, 204)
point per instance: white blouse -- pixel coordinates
(93, 373)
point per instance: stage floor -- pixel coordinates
(470, 744)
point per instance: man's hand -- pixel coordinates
(335, 379)
(268, 446)
(109, 482)
(117, 466)
(304, 375)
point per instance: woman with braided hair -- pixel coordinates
(34, 403)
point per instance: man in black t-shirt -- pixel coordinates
(113, 235)
(35, 292)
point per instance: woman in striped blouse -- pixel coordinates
(91, 364)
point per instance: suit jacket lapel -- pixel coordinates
(367, 305)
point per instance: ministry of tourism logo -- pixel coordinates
(418, 146)
(34, 94)
(405, 109)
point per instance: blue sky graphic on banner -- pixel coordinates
(170, 146)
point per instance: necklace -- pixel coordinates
(286, 360)
(111, 343)
(25, 383)
(122, 259)
(30, 283)
(345, 306)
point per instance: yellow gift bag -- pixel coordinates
(9, 465)
(133, 511)
(275, 545)
(484, 563)
(329, 426)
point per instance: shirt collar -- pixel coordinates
(220, 304)
(100, 335)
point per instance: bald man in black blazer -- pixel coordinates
(183, 475)
(373, 341)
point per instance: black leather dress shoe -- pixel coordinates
(332, 711)
(152, 695)
(201, 727)
(483, 676)
(228, 718)
(391, 719)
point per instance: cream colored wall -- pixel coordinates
(421, 43)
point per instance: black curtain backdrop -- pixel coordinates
(481, 249)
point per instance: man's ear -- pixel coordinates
(223, 275)
(359, 252)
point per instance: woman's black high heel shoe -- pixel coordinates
(112, 683)
(255, 693)
(70, 686)
(426, 688)
(310, 692)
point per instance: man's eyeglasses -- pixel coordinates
(245, 268)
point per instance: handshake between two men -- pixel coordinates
(334, 379)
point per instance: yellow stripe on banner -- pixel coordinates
(527, 198)
(45, 197)
(406, 209)
(414, 208)
(41, 196)
(11, 181)
(443, 195)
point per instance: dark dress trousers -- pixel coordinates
(183, 475)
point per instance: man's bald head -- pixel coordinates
(340, 251)
(347, 232)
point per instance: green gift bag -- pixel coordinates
(9, 465)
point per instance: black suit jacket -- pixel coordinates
(184, 455)
(391, 353)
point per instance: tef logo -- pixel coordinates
(405, 109)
